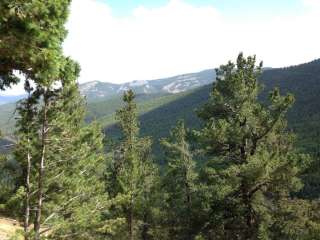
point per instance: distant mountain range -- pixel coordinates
(99, 94)
(99, 90)
(102, 90)
(10, 98)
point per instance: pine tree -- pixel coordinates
(75, 183)
(296, 219)
(72, 178)
(251, 161)
(180, 186)
(49, 94)
(132, 174)
(28, 45)
(26, 132)
(60, 156)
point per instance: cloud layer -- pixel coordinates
(179, 37)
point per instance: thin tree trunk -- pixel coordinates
(130, 220)
(37, 223)
(249, 221)
(145, 227)
(188, 198)
(248, 214)
(145, 218)
(246, 197)
(27, 209)
(187, 190)
(28, 188)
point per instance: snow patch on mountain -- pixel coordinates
(138, 83)
(183, 83)
(88, 86)
(123, 88)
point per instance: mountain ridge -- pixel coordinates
(96, 90)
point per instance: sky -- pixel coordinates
(123, 40)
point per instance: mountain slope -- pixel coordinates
(158, 121)
(304, 118)
(7, 120)
(304, 82)
(10, 99)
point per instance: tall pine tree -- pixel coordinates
(132, 175)
(67, 171)
(75, 179)
(251, 160)
(179, 185)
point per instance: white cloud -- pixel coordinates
(179, 38)
(14, 90)
(148, 44)
(315, 4)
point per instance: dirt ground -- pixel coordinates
(7, 228)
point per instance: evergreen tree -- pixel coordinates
(25, 148)
(71, 167)
(75, 179)
(180, 186)
(252, 164)
(30, 45)
(296, 219)
(60, 157)
(131, 177)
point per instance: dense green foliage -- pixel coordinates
(57, 156)
(73, 154)
(28, 45)
(131, 175)
(302, 81)
(251, 164)
(237, 174)
(181, 193)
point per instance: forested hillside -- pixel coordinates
(303, 81)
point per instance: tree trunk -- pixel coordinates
(248, 213)
(130, 218)
(44, 132)
(145, 227)
(246, 198)
(188, 202)
(130, 223)
(249, 221)
(27, 207)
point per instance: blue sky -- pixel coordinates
(229, 7)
